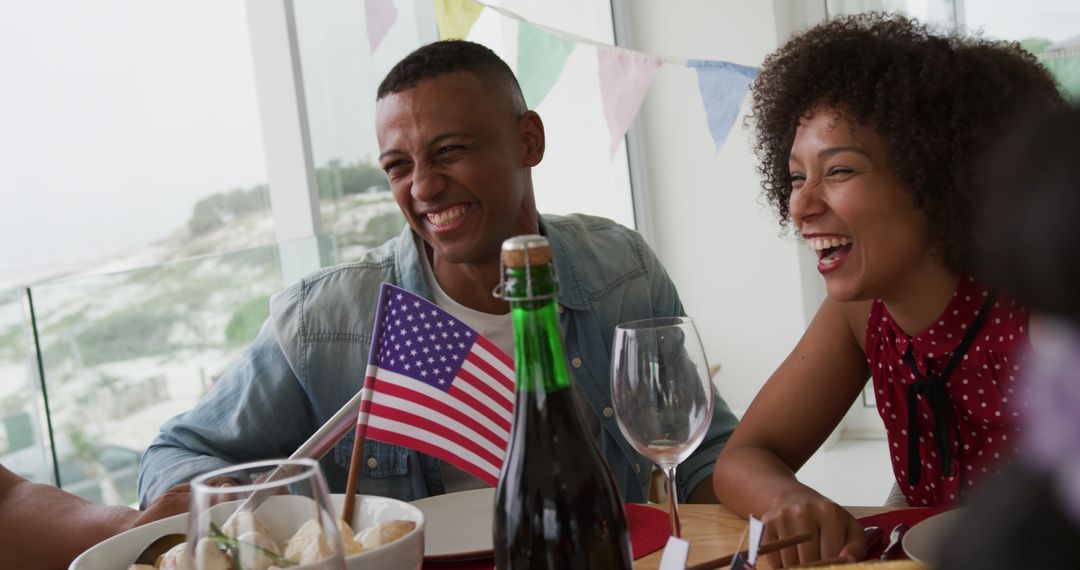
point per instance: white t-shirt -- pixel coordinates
(499, 329)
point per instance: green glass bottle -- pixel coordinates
(556, 504)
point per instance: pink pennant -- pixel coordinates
(625, 77)
(380, 16)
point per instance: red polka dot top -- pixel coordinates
(978, 415)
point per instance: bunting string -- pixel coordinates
(574, 37)
(625, 75)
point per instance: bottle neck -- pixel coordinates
(539, 358)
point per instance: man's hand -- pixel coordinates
(175, 501)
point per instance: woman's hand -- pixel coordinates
(833, 530)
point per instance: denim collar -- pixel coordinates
(410, 275)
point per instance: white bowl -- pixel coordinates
(406, 552)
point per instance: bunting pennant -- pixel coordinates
(541, 57)
(380, 15)
(723, 86)
(456, 17)
(625, 77)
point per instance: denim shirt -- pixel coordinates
(311, 354)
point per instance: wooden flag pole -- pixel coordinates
(355, 466)
(354, 477)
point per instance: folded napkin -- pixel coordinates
(648, 526)
(887, 520)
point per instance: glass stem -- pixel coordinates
(673, 501)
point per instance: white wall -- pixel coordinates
(737, 276)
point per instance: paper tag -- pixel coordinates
(757, 529)
(676, 552)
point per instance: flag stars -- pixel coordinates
(416, 304)
(457, 334)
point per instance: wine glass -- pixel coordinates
(662, 393)
(278, 515)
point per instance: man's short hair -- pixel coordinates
(449, 56)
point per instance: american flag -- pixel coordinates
(437, 386)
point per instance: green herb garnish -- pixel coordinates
(233, 546)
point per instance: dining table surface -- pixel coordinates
(714, 531)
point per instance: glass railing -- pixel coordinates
(122, 353)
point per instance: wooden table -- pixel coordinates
(714, 531)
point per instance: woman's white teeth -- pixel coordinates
(440, 218)
(818, 244)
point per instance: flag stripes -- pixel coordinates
(437, 386)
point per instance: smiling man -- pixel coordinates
(457, 145)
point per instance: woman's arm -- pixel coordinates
(794, 412)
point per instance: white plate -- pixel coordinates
(458, 524)
(923, 541)
(406, 552)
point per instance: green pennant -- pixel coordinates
(541, 57)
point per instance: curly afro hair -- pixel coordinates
(937, 98)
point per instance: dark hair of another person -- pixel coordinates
(1028, 234)
(451, 56)
(936, 98)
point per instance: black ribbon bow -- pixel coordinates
(937, 397)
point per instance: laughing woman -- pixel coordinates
(868, 130)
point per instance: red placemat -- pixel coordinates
(648, 526)
(887, 520)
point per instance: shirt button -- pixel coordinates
(608, 412)
(372, 462)
(576, 362)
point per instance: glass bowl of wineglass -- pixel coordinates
(662, 393)
(278, 514)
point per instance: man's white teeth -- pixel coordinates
(818, 244)
(445, 216)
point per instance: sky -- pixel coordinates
(115, 117)
(1055, 20)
